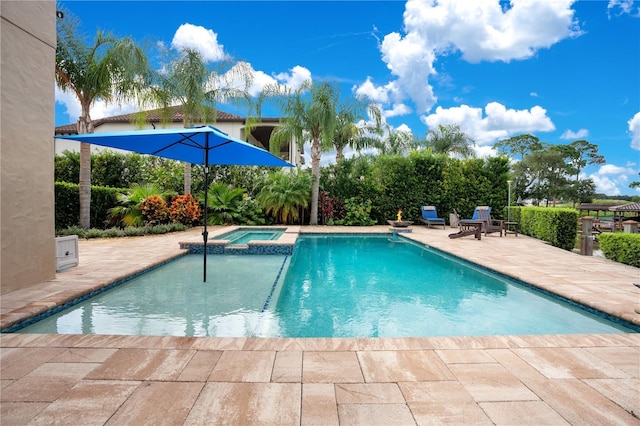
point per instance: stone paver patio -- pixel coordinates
(544, 379)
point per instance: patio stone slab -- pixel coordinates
(247, 404)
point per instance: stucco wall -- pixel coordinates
(27, 61)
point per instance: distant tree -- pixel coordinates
(449, 139)
(579, 154)
(521, 145)
(542, 174)
(111, 70)
(635, 184)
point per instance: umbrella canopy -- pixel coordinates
(204, 145)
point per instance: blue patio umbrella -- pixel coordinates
(204, 145)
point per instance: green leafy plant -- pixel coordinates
(284, 194)
(358, 213)
(129, 213)
(224, 204)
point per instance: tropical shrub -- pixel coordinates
(154, 209)
(250, 212)
(185, 209)
(223, 204)
(358, 213)
(331, 208)
(285, 194)
(621, 247)
(129, 212)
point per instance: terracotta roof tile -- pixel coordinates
(152, 116)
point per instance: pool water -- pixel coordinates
(172, 300)
(347, 286)
(244, 235)
(333, 286)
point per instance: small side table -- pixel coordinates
(510, 228)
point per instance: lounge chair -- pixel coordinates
(474, 217)
(430, 216)
(476, 212)
(490, 225)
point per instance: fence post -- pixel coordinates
(586, 242)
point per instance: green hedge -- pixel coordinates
(558, 226)
(421, 178)
(621, 247)
(68, 205)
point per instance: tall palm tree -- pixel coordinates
(187, 82)
(111, 69)
(350, 134)
(449, 139)
(310, 115)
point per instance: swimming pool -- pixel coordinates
(333, 286)
(244, 235)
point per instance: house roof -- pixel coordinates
(154, 116)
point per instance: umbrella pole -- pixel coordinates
(205, 234)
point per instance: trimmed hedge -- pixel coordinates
(557, 226)
(421, 178)
(621, 247)
(67, 197)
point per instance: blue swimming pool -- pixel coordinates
(333, 286)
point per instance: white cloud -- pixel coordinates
(295, 78)
(480, 30)
(201, 39)
(534, 95)
(621, 7)
(570, 134)
(609, 178)
(397, 110)
(70, 102)
(634, 128)
(605, 185)
(376, 94)
(497, 123)
(99, 109)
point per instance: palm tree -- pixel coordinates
(397, 142)
(111, 70)
(449, 139)
(190, 84)
(350, 134)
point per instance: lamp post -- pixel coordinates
(509, 202)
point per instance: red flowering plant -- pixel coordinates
(154, 210)
(185, 209)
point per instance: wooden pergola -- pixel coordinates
(591, 207)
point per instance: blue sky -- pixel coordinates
(562, 70)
